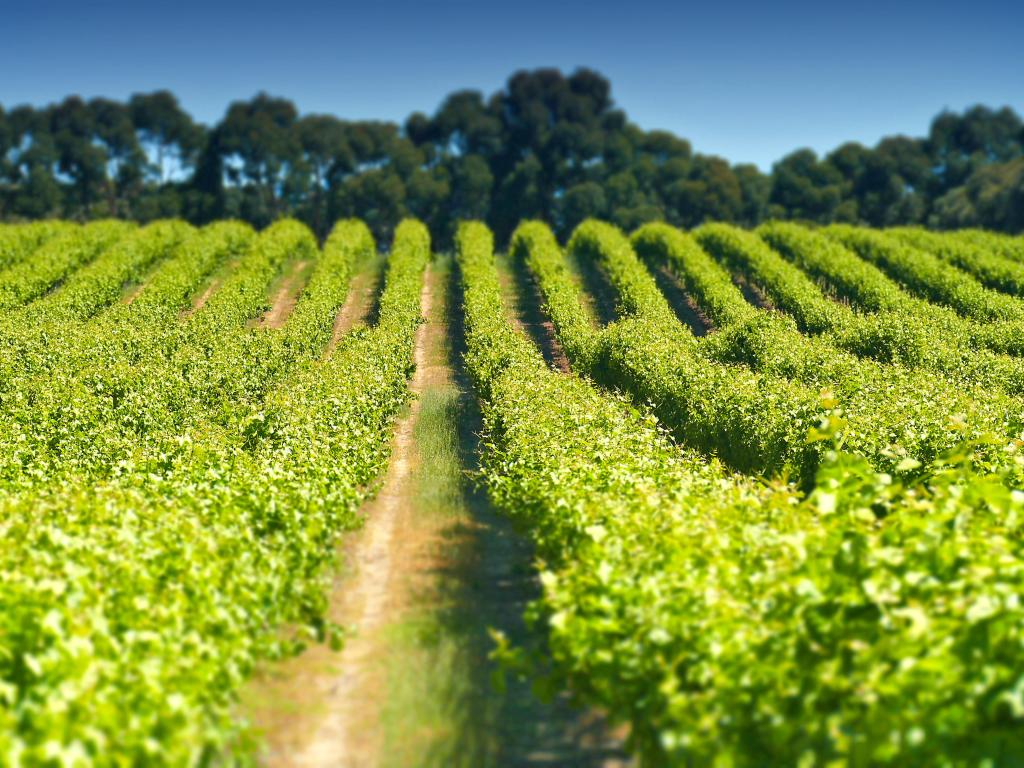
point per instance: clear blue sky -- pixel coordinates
(749, 81)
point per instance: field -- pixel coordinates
(741, 497)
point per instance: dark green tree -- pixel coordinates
(169, 137)
(805, 188)
(257, 142)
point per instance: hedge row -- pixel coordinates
(903, 328)
(59, 256)
(210, 532)
(929, 276)
(985, 264)
(734, 623)
(756, 421)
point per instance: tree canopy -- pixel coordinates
(548, 145)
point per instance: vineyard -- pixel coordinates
(771, 481)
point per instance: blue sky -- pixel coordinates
(749, 81)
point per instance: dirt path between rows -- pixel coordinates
(358, 306)
(431, 571)
(205, 296)
(287, 296)
(132, 294)
(683, 304)
(752, 292)
(319, 709)
(214, 285)
(347, 736)
(524, 304)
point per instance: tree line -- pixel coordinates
(547, 145)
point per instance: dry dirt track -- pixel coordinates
(358, 304)
(325, 708)
(287, 296)
(324, 704)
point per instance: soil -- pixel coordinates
(322, 705)
(525, 310)
(287, 296)
(200, 301)
(358, 307)
(467, 571)
(683, 304)
(132, 294)
(754, 294)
